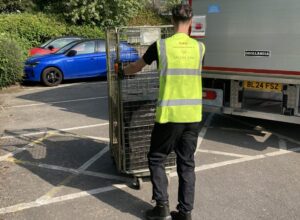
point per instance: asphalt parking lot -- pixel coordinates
(55, 162)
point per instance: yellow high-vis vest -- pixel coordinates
(180, 89)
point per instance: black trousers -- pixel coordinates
(182, 138)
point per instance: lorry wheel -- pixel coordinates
(52, 76)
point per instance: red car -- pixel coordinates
(52, 45)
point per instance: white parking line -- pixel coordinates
(57, 130)
(19, 150)
(5, 157)
(93, 159)
(98, 138)
(38, 203)
(63, 86)
(69, 178)
(228, 162)
(46, 135)
(222, 153)
(57, 102)
(241, 160)
(50, 194)
(69, 170)
(246, 159)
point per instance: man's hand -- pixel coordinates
(119, 70)
(134, 67)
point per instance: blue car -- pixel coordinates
(79, 59)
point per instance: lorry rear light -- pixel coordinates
(198, 26)
(210, 95)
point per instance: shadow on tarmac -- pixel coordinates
(250, 132)
(56, 97)
(71, 151)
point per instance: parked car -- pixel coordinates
(52, 45)
(79, 59)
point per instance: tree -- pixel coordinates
(8, 6)
(50, 6)
(170, 4)
(101, 12)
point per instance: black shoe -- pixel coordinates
(159, 212)
(181, 216)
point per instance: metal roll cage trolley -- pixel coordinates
(132, 99)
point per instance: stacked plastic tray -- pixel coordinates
(139, 95)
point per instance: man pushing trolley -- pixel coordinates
(178, 113)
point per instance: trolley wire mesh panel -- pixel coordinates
(132, 99)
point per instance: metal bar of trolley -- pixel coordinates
(132, 99)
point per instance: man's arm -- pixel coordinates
(148, 58)
(134, 67)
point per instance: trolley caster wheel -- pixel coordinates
(138, 183)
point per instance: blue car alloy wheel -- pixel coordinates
(52, 76)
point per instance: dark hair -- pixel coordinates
(182, 13)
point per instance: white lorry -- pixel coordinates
(252, 62)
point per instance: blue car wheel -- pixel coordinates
(52, 76)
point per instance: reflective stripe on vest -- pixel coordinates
(182, 72)
(163, 56)
(179, 102)
(180, 93)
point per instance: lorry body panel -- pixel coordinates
(251, 43)
(258, 25)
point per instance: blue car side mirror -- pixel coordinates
(71, 53)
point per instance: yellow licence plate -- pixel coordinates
(263, 86)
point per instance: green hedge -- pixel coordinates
(24, 31)
(11, 64)
(148, 16)
(32, 30)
